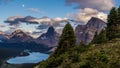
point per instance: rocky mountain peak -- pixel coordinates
(51, 31)
(96, 23)
(19, 36)
(86, 32)
(50, 38)
(18, 32)
(95, 20)
(1, 33)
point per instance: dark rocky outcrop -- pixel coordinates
(86, 32)
(50, 38)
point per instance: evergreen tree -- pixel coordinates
(82, 47)
(118, 14)
(99, 38)
(118, 22)
(94, 38)
(111, 24)
(82, 43)
(67, 40)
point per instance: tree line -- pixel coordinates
(69, 53)
(68, 39)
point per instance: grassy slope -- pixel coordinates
(105, 55)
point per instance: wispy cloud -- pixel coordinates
(17, 20)
(83, 15)
(42, 26)
(2, 26)
(14, 20)
(35, 10)
(101, 5)
(90, 8)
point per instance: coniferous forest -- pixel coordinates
(102, 52)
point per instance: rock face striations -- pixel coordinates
(50, 38)
(86, 32)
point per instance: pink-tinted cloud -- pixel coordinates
(83, 15)
(35, 10)
(102, 5)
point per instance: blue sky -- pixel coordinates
(117, 2)
(52, 9)
(49, 8)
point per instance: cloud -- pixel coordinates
(101, 5)
(59, 29)
(16, 20)
(83, 15)
(48, 21)
(2, 26)
(42, 26)
(12, 28)
(43, 23)
(36, 34)
(35, 10)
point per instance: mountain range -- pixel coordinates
(19, 36)
(19, 39)
(50, 39)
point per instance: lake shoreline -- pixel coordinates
(33, 57)
(7, 53)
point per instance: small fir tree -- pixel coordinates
(99, 38)
(118, 22)
(67, 40)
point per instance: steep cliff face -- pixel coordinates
(50, 38)
(96, 23)
(86, 32)
(79, 30)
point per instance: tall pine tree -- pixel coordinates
(118, 22)
(67, 40)
(94, 38)
(111, 24)
(99, 38)
(118, 15)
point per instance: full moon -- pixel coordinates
(23, 5)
